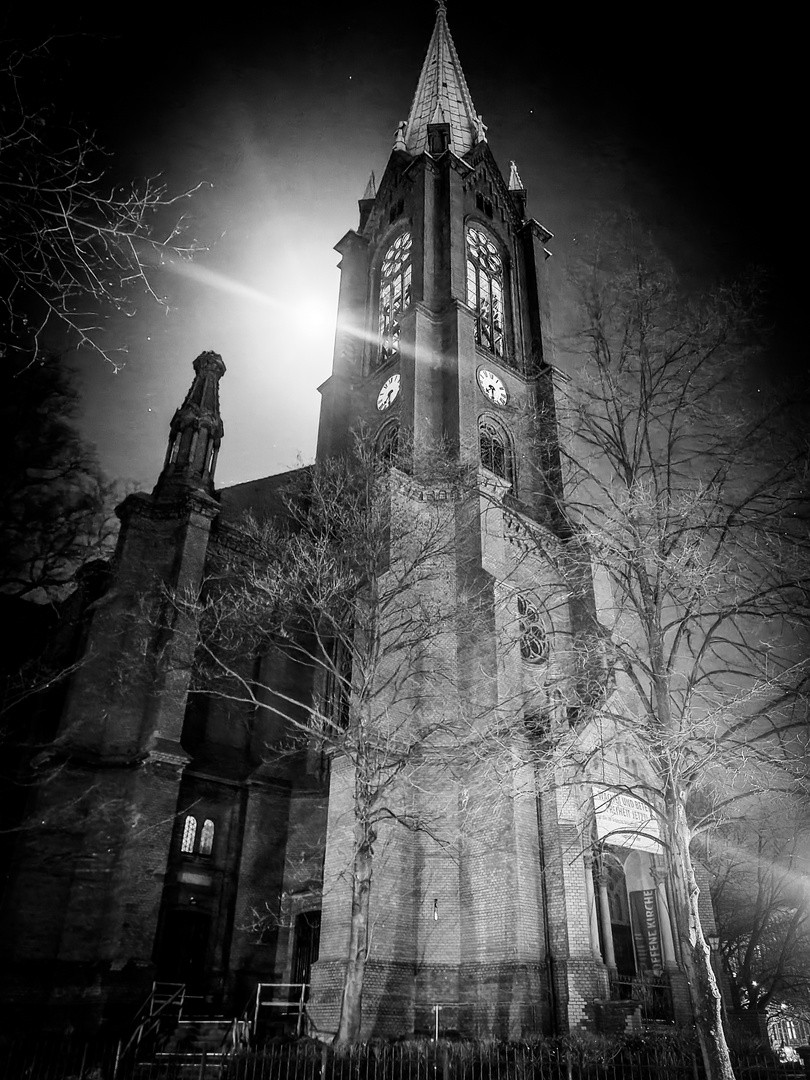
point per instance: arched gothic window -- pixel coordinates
(495, 449)
(189, 845)
(189, 834)
(387, 443)
(485, 290)
(533, 638)
(395, 295)
(207, 837)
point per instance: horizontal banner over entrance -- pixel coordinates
(625, 820)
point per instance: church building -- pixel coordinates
(177, 844)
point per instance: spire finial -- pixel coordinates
(371, 187)
(195, 433)
(442, 89)
(515, 183)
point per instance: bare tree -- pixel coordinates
(76, 244)
(343, 607)
(685, 511)
(760, 873)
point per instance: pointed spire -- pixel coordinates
(515, 183)
(442, 96)
(371, 187)
(195, 433)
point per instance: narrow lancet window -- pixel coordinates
(485, 290)
(495, 450)
(207, 837)
(337, 701)
(395, 295)
(189, 835)
(387, 443)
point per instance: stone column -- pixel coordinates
(593, 914)
(604, 912)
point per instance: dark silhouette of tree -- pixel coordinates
(56, 506)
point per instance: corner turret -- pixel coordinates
(195, 433)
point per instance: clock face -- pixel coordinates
(388, 393)
(492, 387)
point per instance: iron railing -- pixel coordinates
(652, 993)
(43, 1059)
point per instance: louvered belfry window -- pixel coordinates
(395, 295)
(485, 290)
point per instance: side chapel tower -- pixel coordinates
(167, 825)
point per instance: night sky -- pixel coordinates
(662, 111)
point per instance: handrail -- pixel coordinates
(151, 1021)
(258, 1003)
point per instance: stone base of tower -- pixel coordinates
(387, 999)
(479, 1001)
(482, 1001)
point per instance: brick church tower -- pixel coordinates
(175, 846)
(520, 924)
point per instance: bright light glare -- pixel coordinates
(311, 319)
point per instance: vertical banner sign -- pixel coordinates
(646, 930)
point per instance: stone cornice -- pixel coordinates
(350, 240)
(530, 536)
(161, 757)
(436, 493)
(540, 232)
(165, 508)
(228, 540)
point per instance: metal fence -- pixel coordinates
(40, 1059)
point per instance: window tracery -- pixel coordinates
(189, 834)
(533, 637)
(191, 843)
(395, 295)
(485, 290)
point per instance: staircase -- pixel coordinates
(168, 1039)
(199, 1047)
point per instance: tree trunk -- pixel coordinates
(351, 1004)
(704, 991)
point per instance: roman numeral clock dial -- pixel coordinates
(492, 387)
(388, 393)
